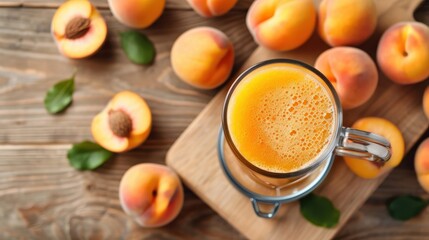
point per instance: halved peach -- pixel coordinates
(124, 123)
(384, 128)
(78, 29)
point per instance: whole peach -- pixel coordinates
(281, 25)
(386, 129)
(346, 22)
(151, 194)
(421, 164)
(137, 13)
(352, 72)
(202, 57)
(403, 52)
(212, 8)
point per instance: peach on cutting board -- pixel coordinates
(386, 129)
(403, 52)
(281, 25)
(203, 57)
(352, 72)
(78, 29)
(346, 22)
(152, 194)
(212, 8)
(421, 164)
(137, 13)
(124, 123)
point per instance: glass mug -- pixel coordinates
(281, 129)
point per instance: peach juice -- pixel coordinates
(281, 118)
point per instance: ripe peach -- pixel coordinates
(385, 128)
(346, 22)
(212, 8)
(421, 164)
(78, 29)
(352, 72)
(281, 25)
(426, 102)
(151, 194)
(123, 124)
(202, 57)
(403, 52)
(137, 13)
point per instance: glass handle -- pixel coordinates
(365, 145)
(260, 213)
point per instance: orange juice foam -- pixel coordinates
(280, 117)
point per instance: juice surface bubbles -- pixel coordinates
(281, 117)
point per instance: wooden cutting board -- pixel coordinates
(194, 155)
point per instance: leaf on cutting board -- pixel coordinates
(319, 210)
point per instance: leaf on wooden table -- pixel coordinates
(87, 155)
(138, 48)
(59, 96)
(405, 207)
(319, 210)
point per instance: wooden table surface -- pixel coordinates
(42, 197)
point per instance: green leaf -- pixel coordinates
(319, 210)
(138, 48)
(405, 207)
(59, 96)
(87, 155)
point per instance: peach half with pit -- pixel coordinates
(78, 29)
(124, 123)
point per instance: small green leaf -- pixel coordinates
(87, 155)
(138, 48)
(319, 210)
(405, 207)
(59, 96)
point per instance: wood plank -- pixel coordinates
(102, 4)
(194, 154)
(42, 197)
(30, 64)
